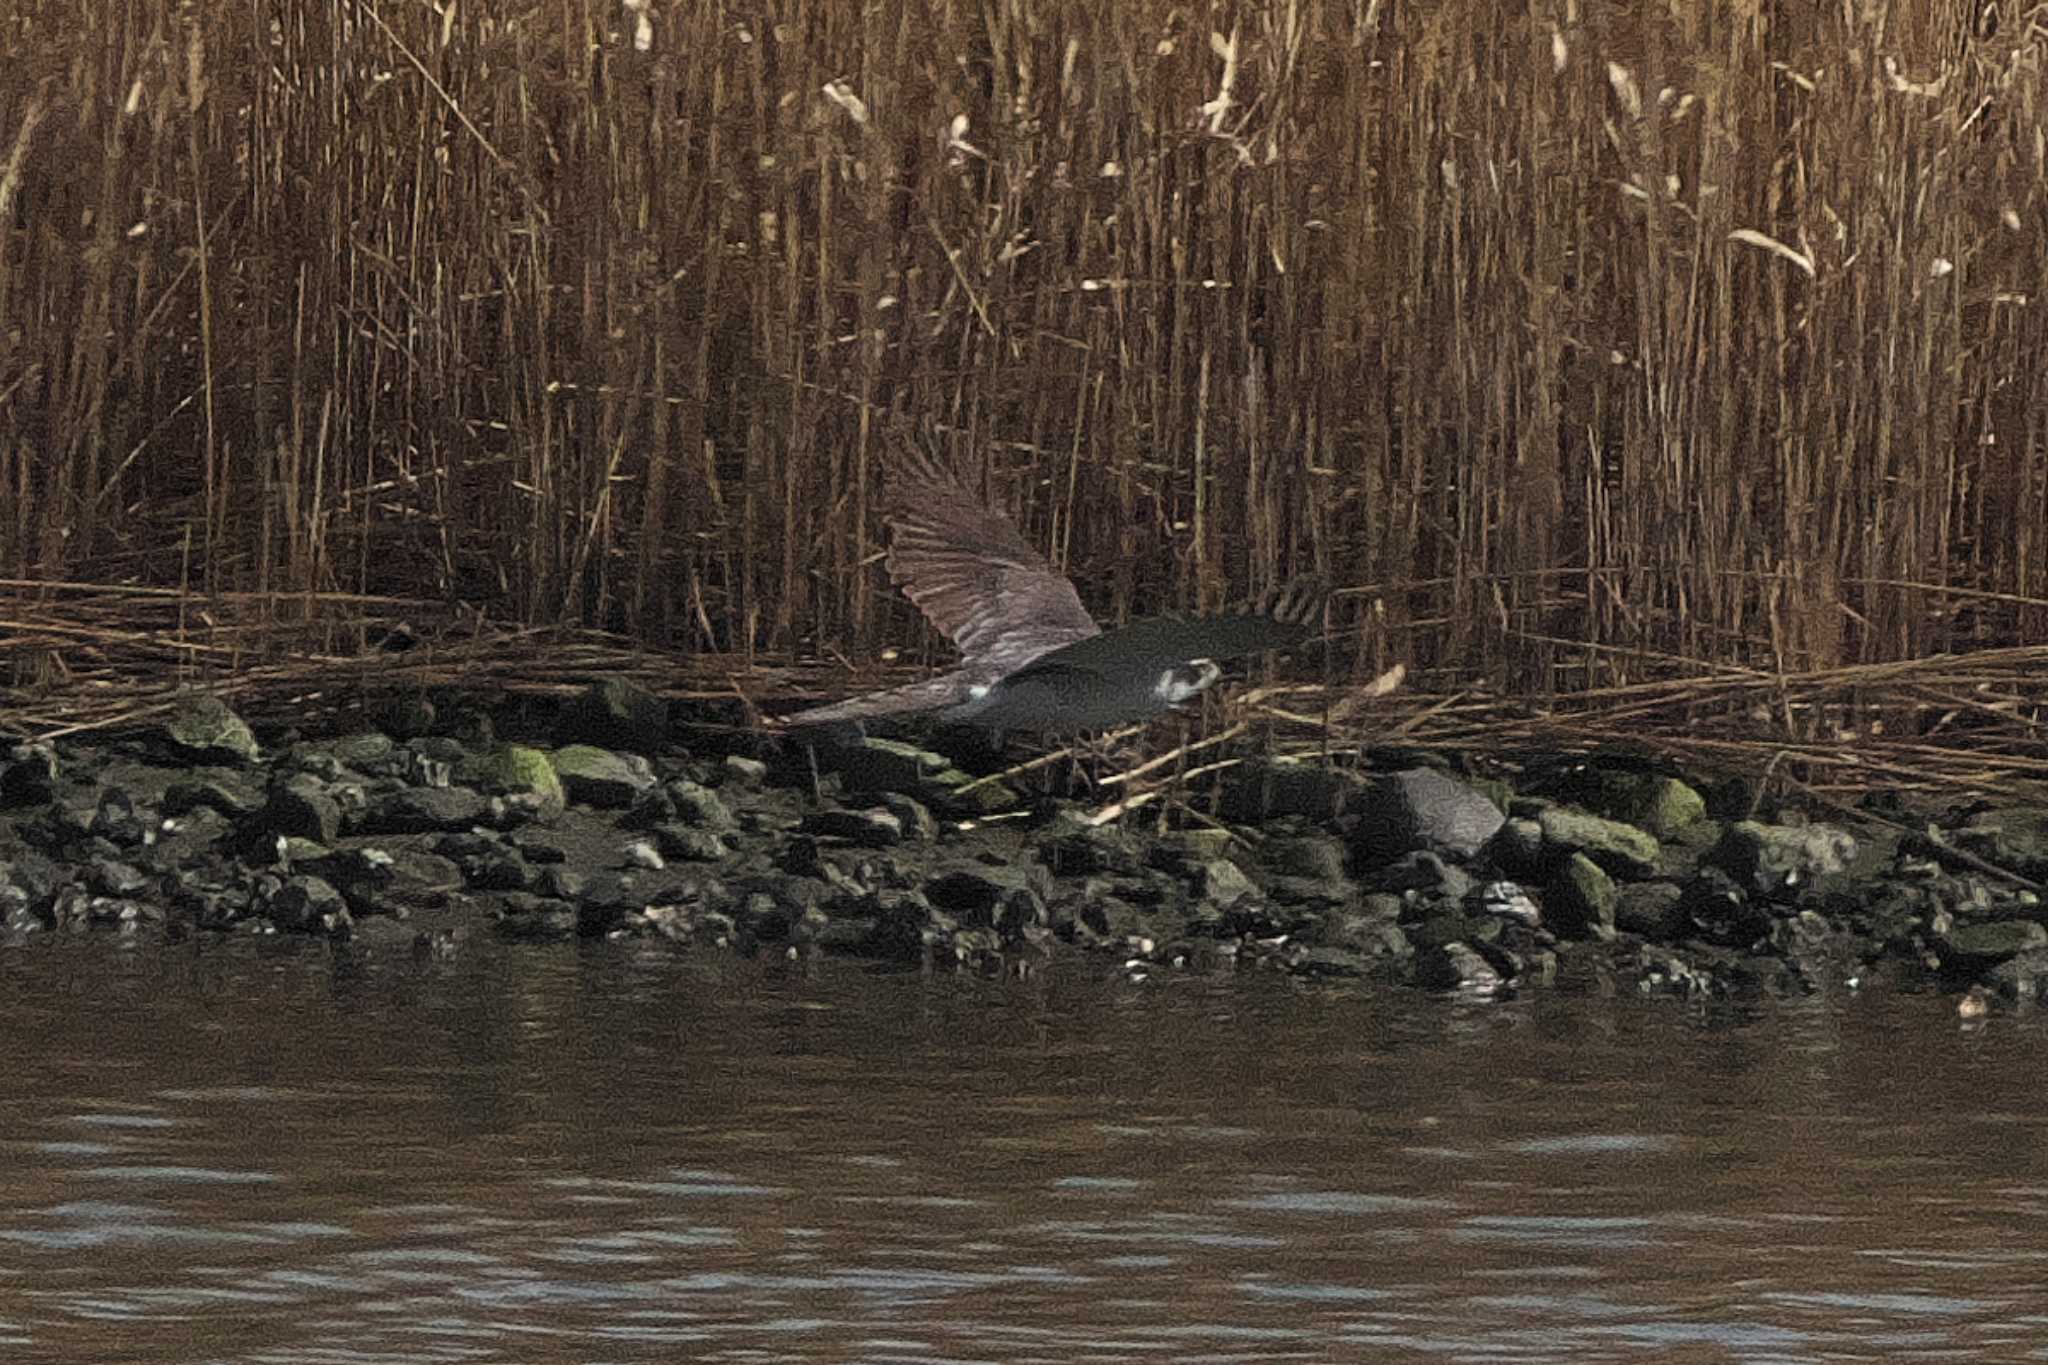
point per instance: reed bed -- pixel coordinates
(1651, 362)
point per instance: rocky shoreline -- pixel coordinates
(1587, 872)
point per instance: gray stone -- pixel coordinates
(1268, 789)
(366, 750)
(690, 845)
(1648, 909)
(698, 805)
(1221, 883)
(2021, 978)
(867, 828)
(524, 777)
(1618, 848)
(2014, 837)
(601, 778)
(1423, 809)
(421, 809)
(915, 821)
(1982, 944)
(304, 903)
(300, 806)
(1664, 806)
(219, 790)
(615, 714)
(202, 724)
(1581, 900)
(886, 765)
(744, 774)
(28, 775)
(1457, 966)
(537, 918)
(1318, 857)
(1766, 859)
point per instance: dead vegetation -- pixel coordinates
(1669, 374)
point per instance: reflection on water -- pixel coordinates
(272, 1152)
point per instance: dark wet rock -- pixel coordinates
(121, 820)
(689, 845)
(2021, 978)
(121, 912)
(1183, 851)
(1370, 926)
(537, 918)
(1312, 895)
(305, 903)
(696, 804)
(1721, 912)
(1269, 789)
(1517, 849)
(28, 882)
(1662, 805)
(1425, 874)
(743, 773)
(486, 863)
(300, 805)
(1648, 909)
(220, 790)
(867, 828)
(420, 810)
(886, 765)
(204, 726)
(539, 846)
(1096, 915)
(912, 818)
(561, 883)
(601, 778)
(113, 878)
(1974, 947)
(407, 717)
(524, 778)
(1001, 898)
(1423, 809)
(1221, 883)
(435, 755)
(366, 751)
(28, 775)
(1086, 850)
(1665, 807)
(1766, 859)
(1581, 900)
(1317, 857)
(71, 908)
(1506, 900)
(1620, 849)
(2011, 837)
(1661, 971)
(615, 714)
(1458, 967)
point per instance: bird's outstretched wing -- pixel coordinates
(971, 573)
(1284, 616)
(927, 694)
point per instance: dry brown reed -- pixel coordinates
(1593, 348)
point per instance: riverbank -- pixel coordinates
(1409, 870)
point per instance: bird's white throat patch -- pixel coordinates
(1182, 681)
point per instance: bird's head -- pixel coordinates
(1182, 681)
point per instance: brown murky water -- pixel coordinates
(276, 1153)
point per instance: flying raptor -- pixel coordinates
(1031, 657)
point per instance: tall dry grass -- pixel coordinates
(1588, 345)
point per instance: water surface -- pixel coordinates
(283, 1152)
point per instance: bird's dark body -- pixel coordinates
(1031, 657)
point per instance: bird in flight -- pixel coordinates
(1031, 657)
